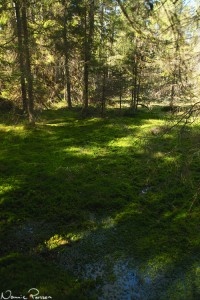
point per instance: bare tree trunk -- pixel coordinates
(102, 59)
(67, 80)
(103, 98)
(132, 96)
(88, 39)
(132, 86)
(120, 100)
(27, 62)
(120, 93)
(86, 61)
(172, 91)
(21, 55)
(135, 87)
(138, 89)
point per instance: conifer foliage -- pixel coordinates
(98, 52)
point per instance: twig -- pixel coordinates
(195, 199)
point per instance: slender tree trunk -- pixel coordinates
(27, 61)
(102, 59)
(86, 76)
(134, 90)
(120, 100)
(120, 93)
(66, 49)
(86, 61)
(173, 91)
(132, 87)
(21, 55)
(138, 89)
(91, 26)
(135, 87)
(88, 39)
(68, 82)
(172, 96)
(103, 98)
(132, 96)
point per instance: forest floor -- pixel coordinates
(100, 208)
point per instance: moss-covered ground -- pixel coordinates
(61, 178)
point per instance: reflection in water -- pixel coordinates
(121, 277)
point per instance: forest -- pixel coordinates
(99, 149)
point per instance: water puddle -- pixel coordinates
(121, 277)
(95, 256)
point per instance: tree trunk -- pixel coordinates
(102, 59)
(67, 79)
(103, 98)
(138, 90)
(27, 62)
(120, 100)
(135, 88)
(120, 93)
(132, 96)
(88, 39)
(21, 55)
(86, 61)
(132, 86)
(173, 91)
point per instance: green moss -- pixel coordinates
(67, 168)
(21, 273)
